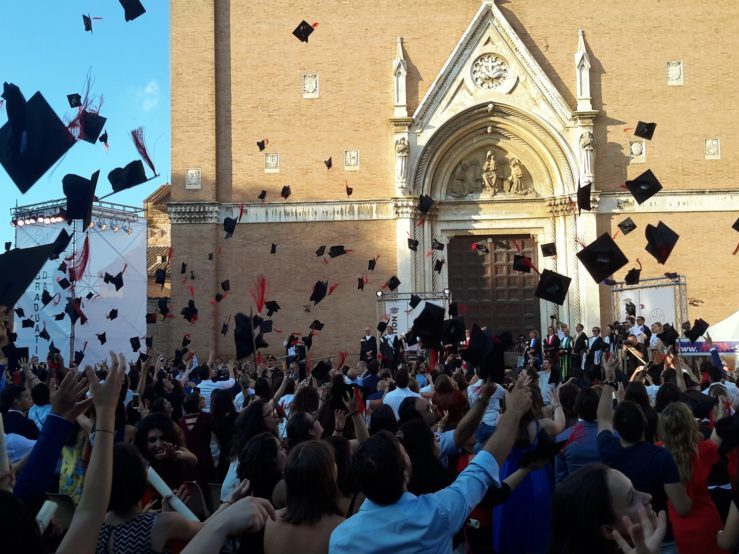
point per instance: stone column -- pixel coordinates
(405, 209)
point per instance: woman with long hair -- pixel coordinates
(695, 532)
(349, 498)
(157, 441)
(197, 427)
(637, 392)
(311, 513)
(224, 417)
(428, 474)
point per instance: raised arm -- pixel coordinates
(605, 405)
(518, 403)
(471, 420)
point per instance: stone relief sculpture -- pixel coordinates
(401, 160)
(516, 179)
(485, 177)
(587, 152)
(490, 174)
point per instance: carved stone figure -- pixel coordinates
(401, 159)
(490, 174)
(516, 181)
(587, 152)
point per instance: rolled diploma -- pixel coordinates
(4, 462)
(166, 493)
(44, 515)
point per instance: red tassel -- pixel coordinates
(192, 290)
(170, 250)
(433, 358)
(77, 269)
(241, 211)
(616, 233)
(527, 261)
(259, 292)
(325, 260)
(360, 403)
(518, 246)
(314, 24)
(342, 359)
(421, 221)
(637, 261)
(140, 144)
(366, 280)
(332, 288)
(260, 358)
(736, 250)
(577, 433)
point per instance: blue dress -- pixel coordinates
(521, 524)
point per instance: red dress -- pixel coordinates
(697, 531)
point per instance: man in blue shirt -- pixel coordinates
(581, 448)
(394, 520)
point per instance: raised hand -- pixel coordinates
(339, 419)
(646, 536)
(68, 399)
(350, 402)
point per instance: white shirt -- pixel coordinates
(492, 412)
(286, 403)
(395, 397)
(207, 387)
(18, 447)
(652, 391)
(240, 399)
(731, 389)
(544, 386)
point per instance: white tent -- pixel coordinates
(726, 330)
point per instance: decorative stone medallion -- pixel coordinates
(713, 149)
(351, 160)
(489, 71)
(675, 73)
(192, 179)
(311, 86)
(271, 162)
(637, 151)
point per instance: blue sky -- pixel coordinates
(45, 48)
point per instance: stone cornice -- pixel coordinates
(193, 212)
(712, 200)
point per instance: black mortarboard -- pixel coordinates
(80, 193)
(438, 265)
(262, 144)
(336, 251)
(89, 295)
(552, 287)
(132, 9)
(412, 244)
(697, 330)
(583, 197)
(548, 249)
(151, 319)
(453, 309)
(360, 283)
(18, 268)
(522, 263)
(243, 336)
(163, 306)
(224, 329)
(178, 356)
(20, 312)
(185, 341)
(436, 245)
(44, 334)
(307, 341)
(183, 268)
(453, 331)
(321, 251)
(91, 125)
(630, 308)
(669, 335)
(372, 264)
(87, 22)
(602, 258)
(32, 140)
(74, 310)
(627, 225)
(229, 226)
(425, 203)
(102, 338)
(736, 225)
(632, 277)
(256, 320)
(60, 244)
(226, 285)
(320, 288)
(75, 100)
(645, 130)
(259, 342)
(644, 186)
(53, 349)
(59, 317)
(272, 307)
(415, 301)
(265, 326)
(79, 355)
(210, 256)
(104, 138)
(192, 275)
(329, 163)
(135, 343)
(27, 323)
(46, 297)
(479, 347)
(321, 370)
(393, 283)
(382, 326)
(660, 241)
(428, 324)
(160, 276)
(122, 178)
(116, 280)
(262, 195)
(190, 312)
(64, 283)
(273, 249)
(303, 31)
(8, 244)
(349, 190)
(316, 325)
(286, 192)
(671, 275)
(112, 314)
(62, 267)
(480, 247)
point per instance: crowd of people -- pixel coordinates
(597, 444)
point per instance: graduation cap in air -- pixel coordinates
(91, 125)
(89, 295)
(393, 283)
(438, 265)
(32, 140)
(415, 301)
(102, 338)
(190, 312)
(602, 258)
(372, 264)
(316, 325)
(320, 288)
(151, 318)
(79, 355)
(80, 193)
(425, 203)
(643, 187)
(44, 334)
(8, 245)
(436, 245)
(27, 323)
(349, 190)
(428, 324)
(321, 370)
(660, 241)
(131, 175)
(224, 328)
(265, 327)
(303, 31)
(112, 314)
(272, 307)
(480, 346)
(53, 349)
(135, 343)
(329, 163)
(453, 331)
(262, 195)
(360, 283)
(75, 100)
(337, 250)
(522, 263)
(273, 249)
(630, 308)
(74, 310)
(382, 326)
(62, 267)
(736, 225)
(132, 9)
(116, 280)
(163, 306)
(697, 330)
(262, 144)
(256, 320)
(286, 192)
(59, 316)
(669, 335)
(229, 226)
(321, 251)
(259, 342)
(552, 287)
(104, 139)
(307, 341)
(226, 285)
(583, 197)
(183, 268)
(645, 130)
(243, 336)
(87, 23)
(46, 297)
(627, 225)
(20, 312)
(64, 283)
(413, 244)
(548, 249)
(18, 269)
(160, 276)
(480, 247)
(632, 277)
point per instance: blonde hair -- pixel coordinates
(681, 436)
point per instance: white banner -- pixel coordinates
(110, 252)
(655, 304)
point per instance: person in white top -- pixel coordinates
(207, 385)
(395, 397)
(544, 385)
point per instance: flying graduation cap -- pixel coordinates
(190, 312)
(412, 244)
(552, 287)
(285, 192)
(243, 336)
(337, 250)
(627, 225)
(425, 203)
(91, 125)
(415, 301)
(633, 276)
(87, 23)
(697, 330)
(272, 307)
(320, 289)
(660, 241)
(522, 263)
(549, 249)
(392, 283)
(133, 174)
(262, 195)
(75, 100)
(583, 198)
(116, 280)
(645, 130)
(436, 245)
(102, 338)
(304, 30)
(80, 193)
(316, 325)
(643, 187)
(328, 163)
(132, 9)
(438, 265)
(602, 258)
